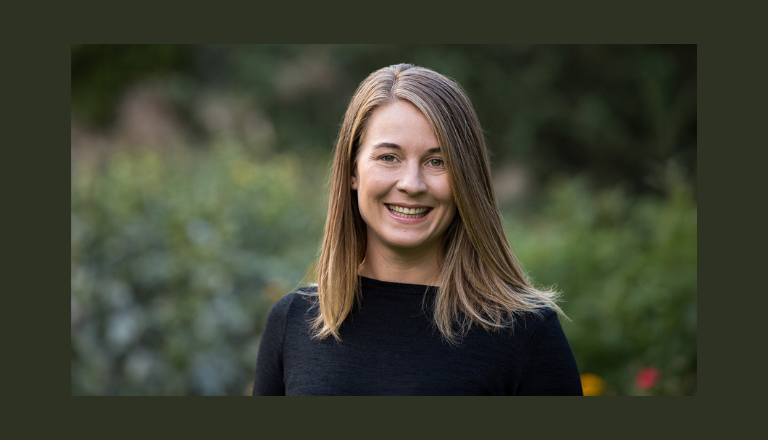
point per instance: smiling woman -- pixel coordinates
(413, 243)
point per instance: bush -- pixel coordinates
(627, 270)
(176, 258)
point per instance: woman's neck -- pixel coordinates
(399, 267)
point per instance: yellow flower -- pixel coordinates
(592, 384)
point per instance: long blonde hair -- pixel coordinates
(481, 281)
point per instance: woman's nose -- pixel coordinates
(411, 180)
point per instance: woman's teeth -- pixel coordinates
(408, 212)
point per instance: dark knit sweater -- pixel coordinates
(390, 347)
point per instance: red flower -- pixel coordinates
(647, 378)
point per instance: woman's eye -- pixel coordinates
(388, 158)
(436, 162)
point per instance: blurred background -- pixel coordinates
(198, 199)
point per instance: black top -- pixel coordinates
(390, 347)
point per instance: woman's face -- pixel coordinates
(403, 190)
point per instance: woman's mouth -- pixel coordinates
(401, 211)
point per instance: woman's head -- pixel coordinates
(480, 279)
(452, 119)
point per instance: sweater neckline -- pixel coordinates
(372, 284)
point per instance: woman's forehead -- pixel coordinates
(398, 124)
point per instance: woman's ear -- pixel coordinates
(353, 183)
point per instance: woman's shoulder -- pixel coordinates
(301, 298)
(532, 322)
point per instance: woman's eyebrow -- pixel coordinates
(387, 145)
(398, 147)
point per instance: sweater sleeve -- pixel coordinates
(550, 367)
(269, 365)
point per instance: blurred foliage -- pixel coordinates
(101, 72)
(176, 258)
(627, 268)
(610, 112)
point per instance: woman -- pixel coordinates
(418, 291)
